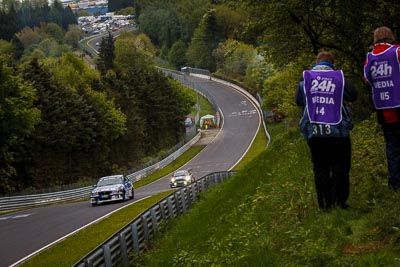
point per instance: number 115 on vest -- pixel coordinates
(384, 96)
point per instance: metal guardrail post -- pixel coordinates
(124, 249)
(154, 219)
(178, 211)
(135, 237)
(88, 263)
(145, 230)
(192, 193)
(170, 208)
(162, 212)
(107, 255)
(201, 183)
(183, 200)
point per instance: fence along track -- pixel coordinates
(28, 201)
(137, 235)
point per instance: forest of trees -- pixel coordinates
(62, 121)
(266, 44)
(16, 15)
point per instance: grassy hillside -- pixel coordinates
(267, 215)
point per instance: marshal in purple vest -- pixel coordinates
(383, 74)
(324, 95)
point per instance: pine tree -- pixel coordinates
(106, 54)
(68, 18)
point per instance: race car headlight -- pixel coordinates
(172, 180)
(94, 194)
(187, 178)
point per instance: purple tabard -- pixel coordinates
(383, 74)
(324, 95)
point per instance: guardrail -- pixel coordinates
(181, 76)
(137, 235)
(28, 201)
(13, 203)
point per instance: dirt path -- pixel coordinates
(207, 136)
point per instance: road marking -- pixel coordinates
(243, 113)
(15, 216)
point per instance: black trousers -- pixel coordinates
(392, 138)
(331, 158)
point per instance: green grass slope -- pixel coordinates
(267, 215)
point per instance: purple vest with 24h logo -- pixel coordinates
(324, 95)
(383, 74)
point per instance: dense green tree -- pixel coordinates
(177, 54)
(78, 124)
(73, 35)
(234, 57)
(72, 72)
(161, 25)
(158, 105)
(258, 72)
(126, 11)
(52, 30)
(18, 117)
(177, 18)
(123, 85)
(25, 12)
(115, 5)
(6, 50)
(230, 21)
(205, 39)
(55, 15)
(67, 119)
(143, 44)
(28, 37)
(66, 130)
(106, 54)
(67, 18)
(48, 46)
(18, 47)
(9, 23)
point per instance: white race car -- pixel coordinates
(112, 188)
(181, 178)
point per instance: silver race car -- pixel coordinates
(181, 178)
(112, 188)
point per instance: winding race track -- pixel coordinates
(24, 233)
